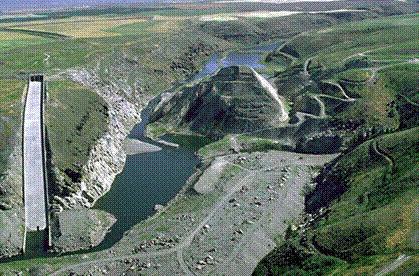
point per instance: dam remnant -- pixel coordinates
(34, 166)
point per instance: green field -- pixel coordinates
(10, 105)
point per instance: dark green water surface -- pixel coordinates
(148, 179)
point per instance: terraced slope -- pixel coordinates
(364, 77)
(358, 77)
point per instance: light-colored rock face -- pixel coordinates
(134, 146)
(274, 94)
(107, 158)
(75, 236)
(209, 178)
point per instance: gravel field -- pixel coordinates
(226, 230)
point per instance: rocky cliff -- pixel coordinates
(107, 158)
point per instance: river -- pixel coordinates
(147, 179)
(152, 178)
(155, 178)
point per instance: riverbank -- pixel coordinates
(106, 160)
(133, 147)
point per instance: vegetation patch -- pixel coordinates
(369, 219)
(354, 75)
(10, 105)
(217, 148)
(82, 28)
(253, 144)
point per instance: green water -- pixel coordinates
(36, 243)
(148, 179)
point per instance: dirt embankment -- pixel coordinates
(224, 231)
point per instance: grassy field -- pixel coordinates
(83, 27)
(354, 75)
(10, 40)
(76, 118)
(10, 105)
(247, 144)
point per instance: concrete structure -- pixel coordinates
(34, 177)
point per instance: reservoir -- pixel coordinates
(251, 57)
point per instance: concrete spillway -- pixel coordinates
(273, 93)
(34, 158)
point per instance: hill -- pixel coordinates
(232, 101)
(364, 210)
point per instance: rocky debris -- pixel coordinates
(11, 234)
(207, 181)
(158, 207)
(157, 243)
(244, 189)
(5, 206)
(186, 217)
(208, 260)
(90, 229)
(164, 98)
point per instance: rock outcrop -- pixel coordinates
(107, 158)
(69, 236)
